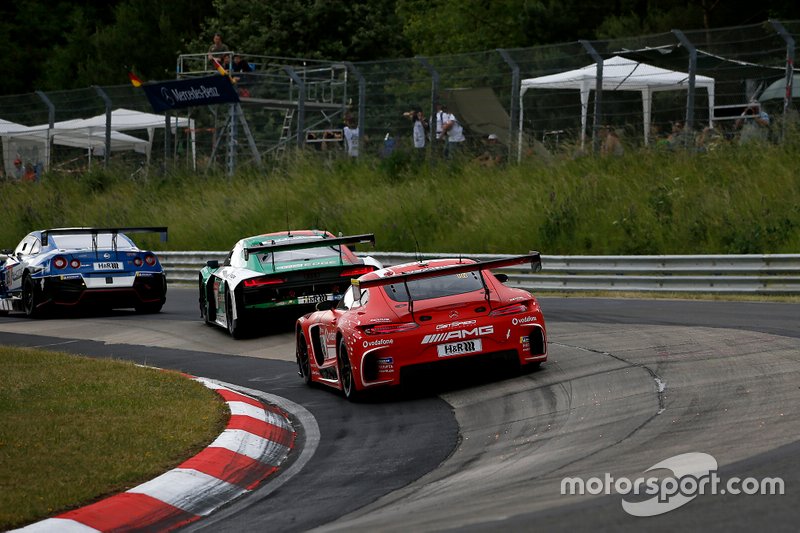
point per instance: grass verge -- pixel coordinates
(76, 429)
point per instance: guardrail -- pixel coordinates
(732, 274)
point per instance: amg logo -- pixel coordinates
(458, 334)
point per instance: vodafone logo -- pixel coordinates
(523, 320)
(379, 342)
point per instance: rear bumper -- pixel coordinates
(119, 293)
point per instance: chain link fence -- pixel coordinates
(539, 102)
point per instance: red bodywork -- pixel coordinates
(377, 330)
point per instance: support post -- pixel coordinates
(434, 100)
(301, 105)
(598, 97)
(107, 102)
(362, 104)
(787, 96)
(689, 126)
(51, 120)
(514, 107)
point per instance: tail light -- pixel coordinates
(150, 259)
(260, 282)
(510, 310)
(75, 263)
(137, 261)
(388, 329)
(356, 271)
(59, 262)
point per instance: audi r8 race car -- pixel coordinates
(278, 271)
(65, 267)
(423, 313)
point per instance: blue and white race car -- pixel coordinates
(67, 267)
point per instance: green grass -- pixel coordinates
(75, 429)
(733, 200)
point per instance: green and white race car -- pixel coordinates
(278, 271)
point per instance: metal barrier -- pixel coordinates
(731, 274)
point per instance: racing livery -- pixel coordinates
(408, 316)
(65, 267)
(273, 271)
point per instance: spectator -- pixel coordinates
(754, 124)
(240, 65)
(452, 132)
(611, 145)
(708, 140)
(417, 130)
(679, 137)
(493, 155)
(217, 47)
(350, 132)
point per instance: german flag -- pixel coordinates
(219, 67)
(135, 81)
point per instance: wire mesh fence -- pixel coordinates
(677, 90)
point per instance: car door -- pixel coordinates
(23, 255)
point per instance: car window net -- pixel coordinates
(438, 287)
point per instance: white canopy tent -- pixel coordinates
(89, 134)
(32, 143)
(619, 74)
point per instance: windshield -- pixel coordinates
(79, 242)
(438, 287)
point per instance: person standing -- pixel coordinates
(417, 130)
(217, 48)
(350, 132)
(452, 133)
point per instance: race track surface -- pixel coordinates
(628, 384)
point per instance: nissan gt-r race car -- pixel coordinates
(275, 271)
(409, 316)
(65, 267)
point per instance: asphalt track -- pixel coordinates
(628, 384)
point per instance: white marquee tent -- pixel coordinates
(85, 133)
(619, 74)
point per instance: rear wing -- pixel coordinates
(534, 258)
(94, 232)
(292, 244)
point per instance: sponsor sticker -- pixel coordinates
(436, 338)
(524, 320)
(378, 342)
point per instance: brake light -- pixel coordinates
(150, 259)
(510, 310)
(356, 271)
(388, 329)
(260, 282)
(75, 263)
(137, 261)
(59, 262)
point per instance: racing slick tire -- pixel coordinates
(31, 296)
(235, 325)
(207, 307)
(346, 374)
(303, 364)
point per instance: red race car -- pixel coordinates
(416, 314)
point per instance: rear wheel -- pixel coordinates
(235, 325)
(346, 374)
(30, 297)
(208, 309)
(303, 364)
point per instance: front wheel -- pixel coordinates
(346, 374)
(30, 297)
(303, 364)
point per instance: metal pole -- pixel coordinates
(514, 107)
(689, 126)
(362, 104)
(301, 106)
(232, 140)
(51, 120)
(598, 97)
(434, 99)
(107, 102)
(787, 96)
(167, 132)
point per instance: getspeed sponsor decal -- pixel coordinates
(524, 320)
(455, 324)
(458, 334)
(385, 364)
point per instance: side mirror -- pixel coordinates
(502, 278)
(212, 263)
(326, 305)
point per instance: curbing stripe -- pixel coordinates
(256, 440)
(126, 509)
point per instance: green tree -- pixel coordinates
(359, 30)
